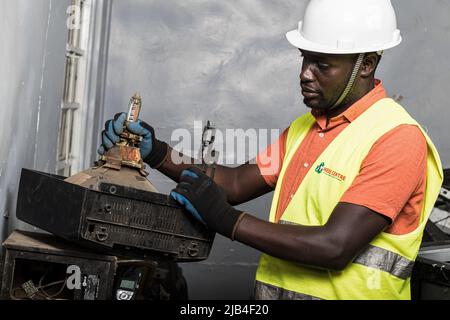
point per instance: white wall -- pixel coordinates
(32, 57)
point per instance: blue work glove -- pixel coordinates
(152, 150)
(206, 201)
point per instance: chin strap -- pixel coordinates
(351, 81)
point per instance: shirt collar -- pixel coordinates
(358, 108)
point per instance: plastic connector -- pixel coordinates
(30, 289)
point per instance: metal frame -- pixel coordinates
(84, 106)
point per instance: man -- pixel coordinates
(357, 179)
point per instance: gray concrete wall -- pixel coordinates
(419, 69)
(229, 62)
(32, 59)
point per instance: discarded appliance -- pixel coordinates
(431, 273)
(44, 267)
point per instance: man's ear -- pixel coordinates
(369, 64)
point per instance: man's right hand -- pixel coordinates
(152, 150)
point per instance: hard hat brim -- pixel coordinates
(297, 40)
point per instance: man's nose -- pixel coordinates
(306, 74)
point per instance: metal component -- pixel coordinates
(134, 107)
(126, 151)
(208, 138)
(445, 194)
(437, 253)
(30, 289)
(123, 155)
(210, 157)
(446, 183)
(431, 273)
(433, 233)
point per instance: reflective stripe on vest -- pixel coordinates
(264, 291)
(387, 261)
(383, 269)
(381, 259)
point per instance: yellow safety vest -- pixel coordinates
(383, 269)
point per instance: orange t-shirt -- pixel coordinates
(392, 177)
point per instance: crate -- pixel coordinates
(116, 219)
(431, 273)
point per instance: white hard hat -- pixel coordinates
(347, 26)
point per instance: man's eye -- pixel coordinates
(322, 66)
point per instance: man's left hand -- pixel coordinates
(206, 201)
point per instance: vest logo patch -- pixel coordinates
(321, 168)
